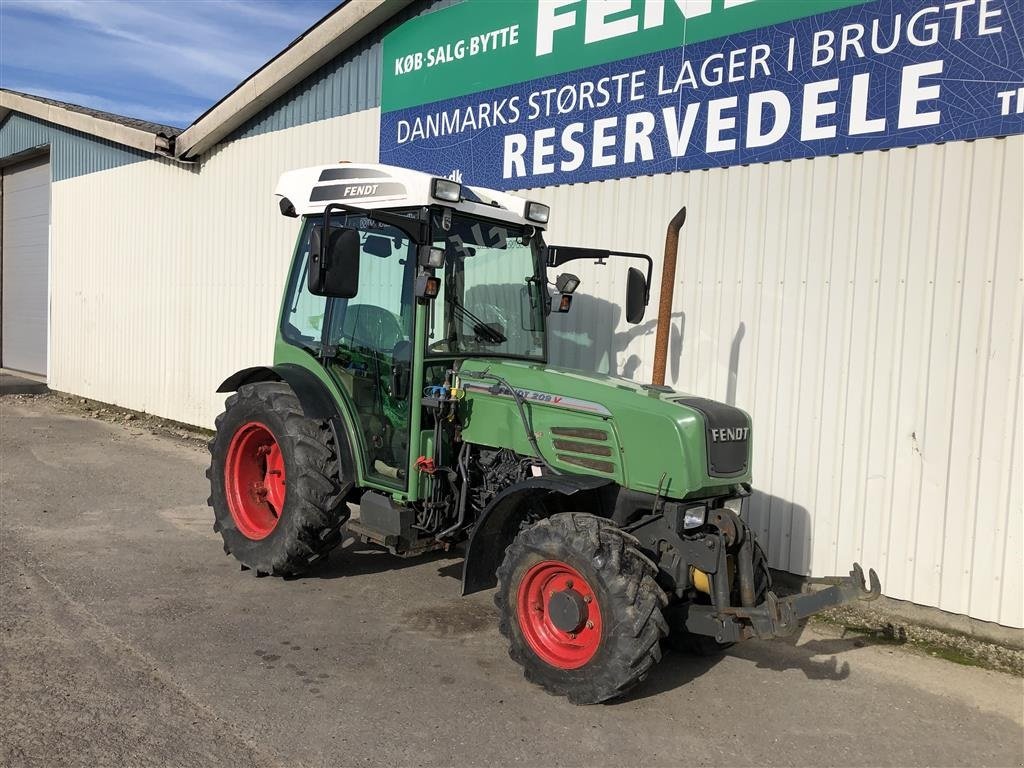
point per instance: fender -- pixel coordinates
(499, 523)
(316, 402)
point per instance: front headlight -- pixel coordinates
(694, 517)
(736, 505)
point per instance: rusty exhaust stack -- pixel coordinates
(668, 283)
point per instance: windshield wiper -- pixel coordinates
(484, 331)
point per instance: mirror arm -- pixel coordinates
(417, 229)
(557, 255)
(325, 231)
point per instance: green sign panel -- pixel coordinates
(478, 45)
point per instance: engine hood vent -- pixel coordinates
(574, 447)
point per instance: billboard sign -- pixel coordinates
(513, 94)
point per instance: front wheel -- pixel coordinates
(580, 607)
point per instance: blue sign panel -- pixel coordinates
(888, 73)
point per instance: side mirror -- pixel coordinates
(636, 296)
(334, 262)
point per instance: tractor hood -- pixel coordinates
(640, 436)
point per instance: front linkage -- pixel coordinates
(781, 616)
(722, 562)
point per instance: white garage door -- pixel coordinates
(25, 254)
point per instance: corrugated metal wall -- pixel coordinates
(72, 153)
(165, 281)
(349, 83)
(867, 311)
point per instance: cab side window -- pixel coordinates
(302, 322)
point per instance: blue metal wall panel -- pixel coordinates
(346, 84)
(72, 153)
(350, 83)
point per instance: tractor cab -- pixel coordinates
(398, 276)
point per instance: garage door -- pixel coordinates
(25, 254)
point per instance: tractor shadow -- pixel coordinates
(587, 338)
(678, 668)
(356, 558)
(817, 659)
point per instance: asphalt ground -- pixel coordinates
(127, 638)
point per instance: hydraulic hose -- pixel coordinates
(522, 412)
(464, 473)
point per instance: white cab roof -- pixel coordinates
(375, 186)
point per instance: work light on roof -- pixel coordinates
(447, 190)
(538, 212)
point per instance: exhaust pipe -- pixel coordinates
(668, 282)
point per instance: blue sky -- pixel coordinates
(162, 60)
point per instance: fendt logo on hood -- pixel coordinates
(729, 434)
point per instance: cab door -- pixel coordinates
(365, 341)
(368, 339)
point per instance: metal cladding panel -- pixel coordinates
(868, 311)
(346, 84)
(72, 153)
(349, 83)
(167, 280)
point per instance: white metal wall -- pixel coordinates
(166, 281)
(867, 311)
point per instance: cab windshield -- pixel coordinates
(492, 293)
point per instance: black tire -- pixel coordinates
(308, 525)
(624, 589)
(704, 645)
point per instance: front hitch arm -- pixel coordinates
(841, 590)
(781, 616)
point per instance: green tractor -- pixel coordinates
(411, 379)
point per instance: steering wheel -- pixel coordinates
(371, 326)
(492, 313)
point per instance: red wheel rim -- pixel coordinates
(254, 480)
(572, 644)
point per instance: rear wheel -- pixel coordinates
(276, 491)
(580, 607)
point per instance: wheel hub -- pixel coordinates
(254, 480)
(559, 614)
(567, 610)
